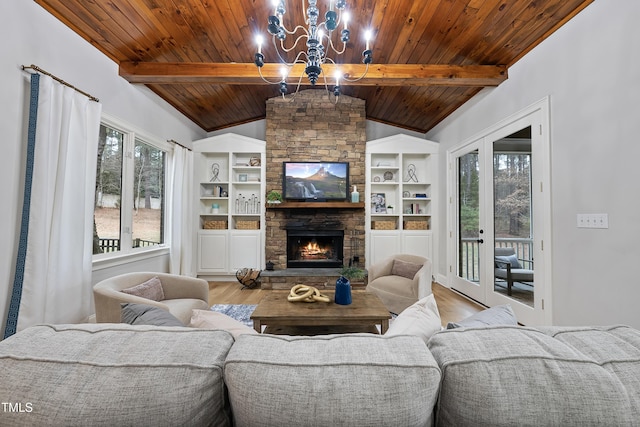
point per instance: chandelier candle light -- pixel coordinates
(318, 39)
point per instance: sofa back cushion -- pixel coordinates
(349, 380)
(115, 375)
(509, 375)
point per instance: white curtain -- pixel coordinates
(56, 276)
(180, 205)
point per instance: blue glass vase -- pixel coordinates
(343, 291)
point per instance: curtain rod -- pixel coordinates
(59, 80)
(177, 143)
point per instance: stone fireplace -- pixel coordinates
(311, 126)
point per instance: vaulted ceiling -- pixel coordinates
(429, 56)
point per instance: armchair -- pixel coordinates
(182, 294)
(400, 280)
(509, 268)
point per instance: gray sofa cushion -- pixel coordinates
(115, 375)
(142, 314)
(334, 380)
(498, 315)
(507, 375)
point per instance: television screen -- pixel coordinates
(317, 181)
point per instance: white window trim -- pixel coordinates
(112, 259)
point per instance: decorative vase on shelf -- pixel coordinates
(355, 196)
(343, 291)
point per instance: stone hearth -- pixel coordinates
(321, 278)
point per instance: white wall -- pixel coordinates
(256, 129)
(589, 68)
(374, 130)
(33, 36)
(377, 130)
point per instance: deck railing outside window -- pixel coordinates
(470, 254)
(113, 245)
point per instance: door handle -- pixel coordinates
(480, 241)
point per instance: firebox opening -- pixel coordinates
(315, 248)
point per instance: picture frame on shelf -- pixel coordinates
(243, 177)
(378, 203)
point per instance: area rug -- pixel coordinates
(239, 312)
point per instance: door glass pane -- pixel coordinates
(513, 223)
(148, 192)
(469, 217)
(106, 215)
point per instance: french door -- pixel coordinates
(470, 237)
(499, 211)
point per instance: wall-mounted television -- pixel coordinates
(315, 181)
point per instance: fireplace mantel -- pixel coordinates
(316, 205)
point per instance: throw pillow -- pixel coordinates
(511, 259)
(421, 319)
(142, 314)
(404, 268)
(151, 289)
(207, 319)
(498, 315)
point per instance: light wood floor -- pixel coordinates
(452, 306)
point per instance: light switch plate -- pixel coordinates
(593, 220)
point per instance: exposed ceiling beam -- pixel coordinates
(377, 75)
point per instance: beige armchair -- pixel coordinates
(396, 285)
(182, 294)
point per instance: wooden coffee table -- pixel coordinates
(301, 318)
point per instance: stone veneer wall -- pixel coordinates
(312, 127)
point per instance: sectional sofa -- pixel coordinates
(133, 375)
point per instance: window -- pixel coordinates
(148, 195)
(129, 213)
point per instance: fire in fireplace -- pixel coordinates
(314, 248)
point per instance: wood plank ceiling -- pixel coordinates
(429, 56)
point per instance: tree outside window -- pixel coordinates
(130, 193)
(148, 190)
(106, 214)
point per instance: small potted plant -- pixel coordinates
(390, 209)
(352, 273)
(274, 197)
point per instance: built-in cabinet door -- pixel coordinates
(417, 243)
(383, 245)
(212, 253)
(245, 250)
